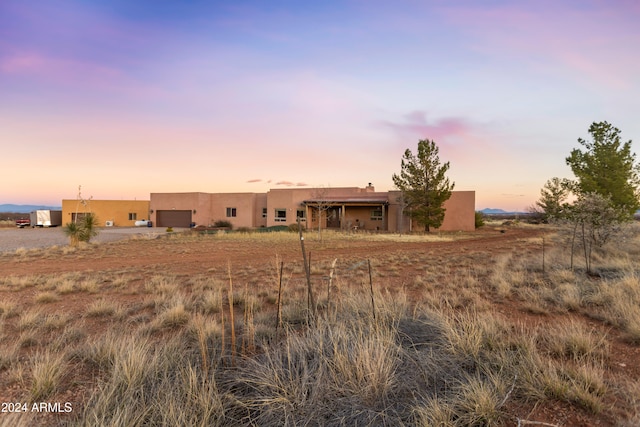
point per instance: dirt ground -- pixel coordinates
(151, 255)
(208, 253)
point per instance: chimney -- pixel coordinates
(370, 188)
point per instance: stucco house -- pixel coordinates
(109, 213)
(340, 208)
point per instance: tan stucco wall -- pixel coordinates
(198, 202)
(261, 202)
(244, 203)
(459, 214)
(209, 207)
(107, 210)
(289, 199)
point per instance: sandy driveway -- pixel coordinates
(29, 238)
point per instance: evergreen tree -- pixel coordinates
(607, 167)
(553, 198)
(424, 184)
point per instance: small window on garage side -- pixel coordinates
(281, 215)
(231, 212)
(133, 216)
(301, 214)
(376, 214)
(264, 212)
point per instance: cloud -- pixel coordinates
(301, 184)
(254, 180)
(416, 124)
(457, 137)
(460, 140)
(285, 183)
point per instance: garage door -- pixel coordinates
(173, 218)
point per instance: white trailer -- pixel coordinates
(46, 218)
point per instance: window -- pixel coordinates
(301, 214)
(133, 216)
(376, 214)
(264, 212)
(231, 212)
(75, 217)
(281, 215)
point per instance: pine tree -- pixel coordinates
(607, 167)
(424, 184)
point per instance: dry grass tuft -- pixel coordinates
(101, 308)
(46, 297)
(47, 370)
(174, 316)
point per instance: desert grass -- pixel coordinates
(431, 351)
(406, 365)
(70, 337)
(20, 282)
(89, 285)
(210, 302)
(101, 308)
(47, 371)
(28, 339)
(177, 393)
(613, 297)
(30, 319)
(329, 237)
(8, 355)
(8, 309)
(161, 285)
(46, 297)
(174, 316)
(54, 321)
(571, 339)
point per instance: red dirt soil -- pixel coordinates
(151, 257)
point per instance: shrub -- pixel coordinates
(479, 219)
(294, 227)
(83, 230)
(275, 228)
(223, 224)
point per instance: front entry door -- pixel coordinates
(333, 218)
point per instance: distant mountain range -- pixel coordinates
(8, 208)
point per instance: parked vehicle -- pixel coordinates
(46, 218)
(143, 223)
(23, 222)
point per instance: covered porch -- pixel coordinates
(348, 213)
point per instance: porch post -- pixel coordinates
(342, 216)
(384, 219)
(307, 218)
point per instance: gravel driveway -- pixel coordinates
(29, 238)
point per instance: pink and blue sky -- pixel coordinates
(128, 98)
